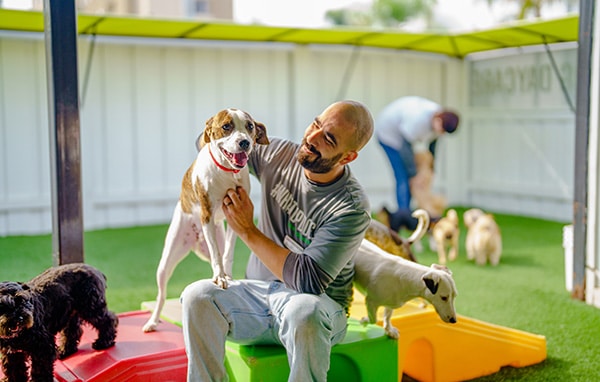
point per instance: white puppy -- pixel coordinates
(390, 281)
(445, 234)
(483, 241)
(198, 220)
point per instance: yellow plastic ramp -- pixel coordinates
(431, 350)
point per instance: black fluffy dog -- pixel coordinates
(56, 301)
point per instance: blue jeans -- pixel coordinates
(259, 312)
(403, 165)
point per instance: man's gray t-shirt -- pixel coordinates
(321, 225)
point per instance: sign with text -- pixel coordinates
(523, 81)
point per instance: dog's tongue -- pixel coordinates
(240, 159)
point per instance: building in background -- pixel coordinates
(205, 9)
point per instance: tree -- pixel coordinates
(534, 7)
(391, 13)
(384, 13)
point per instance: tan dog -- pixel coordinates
(434, 204)
(390, 281)
(388, 240)
(445, 234)
(198, 220)
(484, 241)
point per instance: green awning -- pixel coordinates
(516, 34)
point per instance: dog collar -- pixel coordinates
(219, 165)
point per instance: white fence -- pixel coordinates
(147, 100)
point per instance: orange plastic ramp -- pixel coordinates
(432, 350)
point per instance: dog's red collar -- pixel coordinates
(219, 165)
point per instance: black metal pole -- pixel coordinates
(60, 21)
(584, 54)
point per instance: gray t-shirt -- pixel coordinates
(321, 225)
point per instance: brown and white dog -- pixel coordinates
(197, 224)
(389, 240)
(483, 241)
(390, 281)
(445, 234)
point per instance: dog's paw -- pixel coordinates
(103, 343)
(222, 281)
(364, 321)
(392, 332)
(150, 326)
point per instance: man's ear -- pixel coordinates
(350, 156)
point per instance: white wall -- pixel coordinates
(518, 142)
(147, 100)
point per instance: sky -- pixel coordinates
(311, 13)
(456, 15)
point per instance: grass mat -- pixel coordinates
(526, 291)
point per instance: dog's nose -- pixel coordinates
(245, 144)
(453, 320)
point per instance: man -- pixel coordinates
(405, 126)
(314, 214)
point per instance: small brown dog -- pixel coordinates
(445, 234)
(484, 241)
(389, 240)
(434, 204)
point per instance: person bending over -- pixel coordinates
(403, 127)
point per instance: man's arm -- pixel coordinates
(239, 212)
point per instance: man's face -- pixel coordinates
(438, 125)
(326, 141)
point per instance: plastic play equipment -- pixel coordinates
(428, 350)
(365, 354)
(136, 356)
(432, 350)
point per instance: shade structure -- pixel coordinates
(515, 34)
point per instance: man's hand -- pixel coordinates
(239, 211)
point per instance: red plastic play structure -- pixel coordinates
(136, 357)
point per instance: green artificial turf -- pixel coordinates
(526, 291)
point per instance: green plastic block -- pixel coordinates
(365, 355)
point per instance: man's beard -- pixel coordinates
(318, 165)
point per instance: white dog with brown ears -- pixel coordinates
(198, 220)
(390, 281)
(484, 241)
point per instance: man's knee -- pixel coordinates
(307, 314)
(198, 291)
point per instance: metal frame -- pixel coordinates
(580, 194)
(60, 20)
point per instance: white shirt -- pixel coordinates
(409, 118)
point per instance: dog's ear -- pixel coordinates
(204, 136)
(261, 133)
(432, 281)
(442, 268)
(200, 141)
